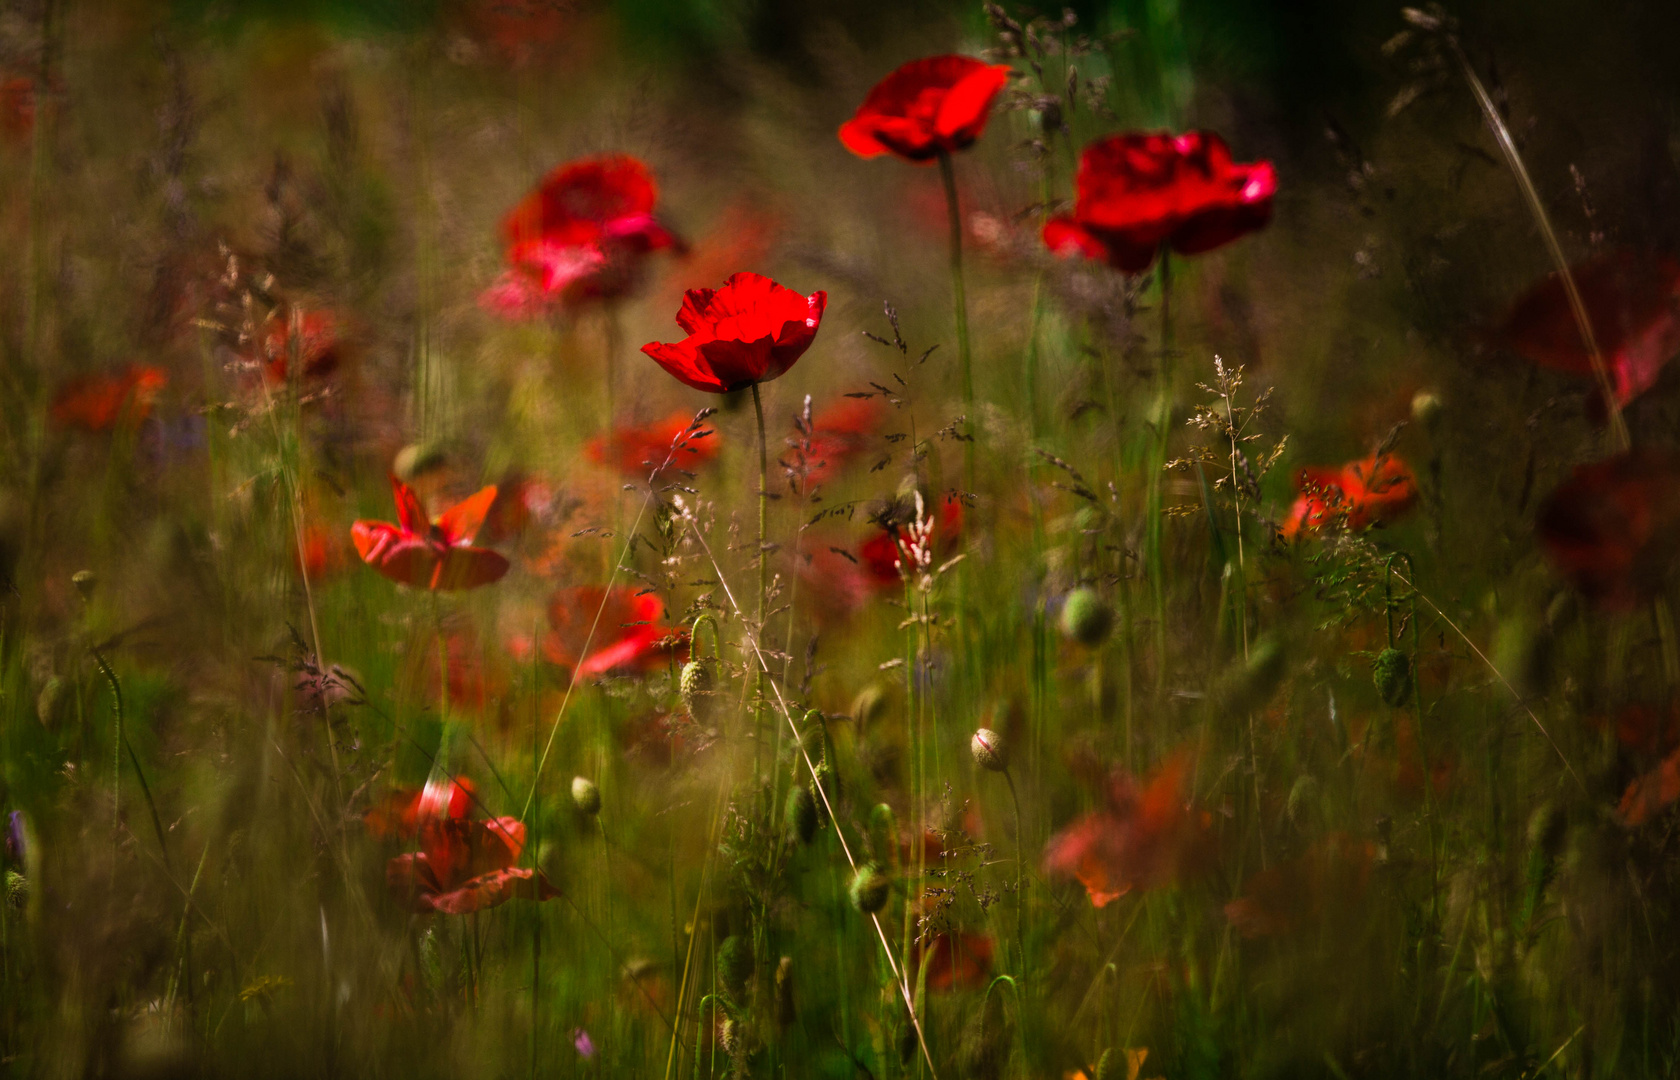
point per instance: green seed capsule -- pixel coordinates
(1085, 617)
(698, 686)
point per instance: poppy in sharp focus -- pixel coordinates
(1145, 836)
(1371, 491)
(639, 451)
(1633, 303)
(1137, 192)
(628, 632)
(1610, 528)
(583, 234)
(750, 331)
(431, 554)
(98, 402)
(937, 105)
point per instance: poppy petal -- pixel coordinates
(461, 522)
(467, 568)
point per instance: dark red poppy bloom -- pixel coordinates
(463, 866)
(402, 812)
(638, 451)
(883, 552)
(321, 552)
(955, 961)
(317, 346)
(427, 554)
(1610, 529)
(1370, 491)
(750, 331)
(17, 107)
(1144, 836)
(1633, 302)
(98, 402)
(582, 235)
(1136, 192)
(937, 105)
(629, 636)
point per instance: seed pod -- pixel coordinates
(1085, 617)
(734, 964)
(800, 814)
(990, 751)
(586, 796)
(869, 889)
(1392, 675)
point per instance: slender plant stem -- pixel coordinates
(960, 301)
(1157, 465)
(763, 568)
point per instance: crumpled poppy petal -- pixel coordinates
(400, 556)
(411, 512)
(492, 890)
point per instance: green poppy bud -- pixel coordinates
(697, 685)
(800, 814)
(586, 796)
(869, 889)
(17, 889)
(1085, 617)
(1392, 674)
(85, 582)
(735, 964)
(990, 751)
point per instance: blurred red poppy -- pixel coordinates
(317, 345)
(474, 679)
(518, 499)
(1651, 792)
(638, 451)
(838, 434)
(581, 235)
(882, 553)
(17, 107)
(1370, 491)
(955, 961)
(1329, 878)
(463, 866)
(750, 331)
(1137, 192)
(628, 633)
(937, 105)
(400, 815)
(98, 402)
(321, 552)
(1610, 529)
(1633, 302)
(426, 554)
(1143, 837)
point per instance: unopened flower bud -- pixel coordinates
(990, 751)
(735, 963)
(800, 814)
(1426, 407)
(1105, 1066)
(85, 582)
(785, 1014)
(1392, 675)
(868, 705)
(1085, 617)
(586, 796)
(697, 686)
(869, 889)
(17, 889)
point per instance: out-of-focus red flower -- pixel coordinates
(1137, 192)
(629, 635)
(321, 552)
(838, 434)
(1651, 792)
(400, 815)
(882, 553)
(639, 451)
(1329, 877)
(1610, 528)
(1371, 491)
(17, 107)
(581, 235)
(98, 402)
(750, 331)
(937, 105)
(517, 30)
(1143, 837)
(955, 961)
(318, 345)
(463, 866)
(427, 554)
(1633, 302)
(473, 682)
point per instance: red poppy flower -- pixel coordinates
(1610, 528)
(1144, 837)
(882, 553)
(17, 107)
(1633, 302)
(1370, 491)
(955, 961)
(98, 402)
(638, 451)
(1651, 792)
(473, 682)
(581, 235)
(628, 636)
(838, 434)
(427, 554)
(750, 331)
(518, 499)
(321, 553)
(464, 866)
(928, 107)
(317, 346)
(401, 814)
(1137, 192)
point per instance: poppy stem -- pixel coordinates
(1156, 517)
(948, 174)
(763, 565)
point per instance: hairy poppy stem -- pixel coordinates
(948, 174)
(763, 565)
